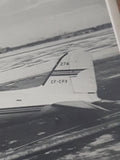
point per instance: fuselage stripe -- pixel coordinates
(66, 72)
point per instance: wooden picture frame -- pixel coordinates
(118, 2)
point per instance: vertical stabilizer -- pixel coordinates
(73, 76)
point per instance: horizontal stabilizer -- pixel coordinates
(81, 104)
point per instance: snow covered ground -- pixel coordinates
(22, 64)
(39, 59)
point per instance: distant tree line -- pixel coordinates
(59, 37)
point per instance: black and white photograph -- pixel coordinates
(59, 80)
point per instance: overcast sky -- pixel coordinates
(23, 21)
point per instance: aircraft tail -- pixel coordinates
(73, 78)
